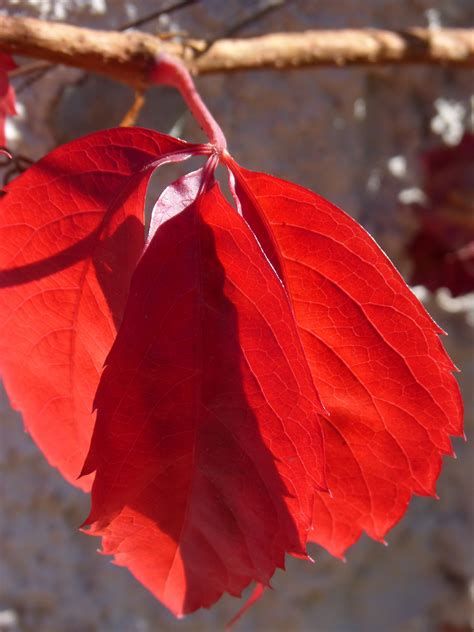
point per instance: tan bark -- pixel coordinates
(128, 56)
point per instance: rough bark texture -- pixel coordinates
(353, 135)
(127, 56)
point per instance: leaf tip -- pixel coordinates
(84, 524)
(255, 595)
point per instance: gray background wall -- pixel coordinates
(337, 132)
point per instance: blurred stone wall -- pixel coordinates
(355, 136)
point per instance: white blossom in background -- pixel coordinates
(360, 109)
(131, 10)
(373, 181)
(433, 17)
(412, 195)
(59, 10)
(449, 121)
(457, 305)
(13, 126)
(397, 166)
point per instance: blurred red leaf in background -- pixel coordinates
(442, 249)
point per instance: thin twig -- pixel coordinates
(257, 14)
(33, 78)
(156, 14)
(27, 69)
(14, 165)
(131, 116)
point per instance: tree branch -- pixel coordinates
(128, 57)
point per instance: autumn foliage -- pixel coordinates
(269, 377)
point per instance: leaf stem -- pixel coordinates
(170, 71)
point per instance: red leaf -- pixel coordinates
(207, 446)
(7, 95)
(442, 249)
(71, 231)
(374, 354)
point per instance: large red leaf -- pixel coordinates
(207, 446)
(7, 95)
(374, 353)
(71, 231)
